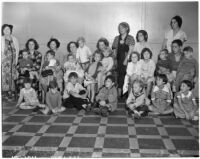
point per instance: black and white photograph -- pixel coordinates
(102, 79)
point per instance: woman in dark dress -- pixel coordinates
(122, 46)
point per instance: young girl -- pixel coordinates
(147, 69)
(137, 102)
(53, 99)
(185, 105)
(132, 70)
(161, 96)
(29, 96)
(75, 94)
(83, 55)
(107, 98)
(187, 69)
(107, 65)
(91, 75)
(142, 38)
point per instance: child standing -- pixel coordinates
(185, 105)
(107, 97)
(75, 94)
(132, 70)
(53, 99)
(30, 97)
(83, 55)
(137, 102)
(107, 65)
(187, 69)
(147, 69)
(161, 96)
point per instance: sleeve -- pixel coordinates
(21, 94)
(140, 100)
(69, 87)
(112, 97)
(183, 37)
(130, 40)
(111, 63)
(115, 43)
(128, 69)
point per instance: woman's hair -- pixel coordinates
(111, 78)
(124, 25)
(144, 50)
(178, 19)
(35, 43)
(68, 45)
(51, 52)
(104, 40)
(178, 42)
(188, 83)
(27, 80)
(73, 74)
(144, 33)
(163, 77)
(4, 26)
(136, 53)
(53, 84)
(140, 82)
(55, 40)
(81, 38)
(188, 48)
(163, 50)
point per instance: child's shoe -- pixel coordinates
(104, 111)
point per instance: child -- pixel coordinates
(83, 55)
(30, 97)
(132, 70)
(107, 97)
(187, 69)
(137, 102)
(53, 99)
(72, 66)
(91, 75)
(107, 65)
(161, 96)
(75, 94)
(185, 105)
(147, 69)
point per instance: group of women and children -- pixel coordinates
(95, 81)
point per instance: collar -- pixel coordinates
(186, 96)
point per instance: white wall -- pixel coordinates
(67, 21)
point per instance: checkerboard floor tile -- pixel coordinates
(76, 133)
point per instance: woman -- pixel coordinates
(174, 33)
(122, 46)
(102, 44)
(9, 55)
(36, 57)
(72, 49)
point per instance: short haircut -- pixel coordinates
(144, 33)
(178, 19)
(53, 84)
(34, 41)
(73, 74)
(144, 50)
(188, 83)
(27, 80)
(163, 50)
(99, 53)
(55, 40)
(163, 77)
(188, 48)
(111, 78)
(136, 53)
(124, 25)
(69, 56)
(140, 82)
(51, 52)
(68, 45)
(6, 25)
(104, 40)
(178, 42)
(81, 38)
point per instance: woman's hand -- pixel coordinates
(102, 103)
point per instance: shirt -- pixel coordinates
(83, 54)
(107, 63)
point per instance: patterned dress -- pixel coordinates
(9, 73)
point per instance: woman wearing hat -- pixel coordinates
(122, 46)
(9, 59)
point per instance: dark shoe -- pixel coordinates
(36, 109)
(50, 112)
(104, 111)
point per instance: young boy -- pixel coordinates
(53, 99)
(75, 94)
(187, 69)
(137, 102)
(107, 98)
(161, 96)
(30, 97)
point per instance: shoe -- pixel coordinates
(136, 116)
(97, 111)
(36, 109)
(50, 112)
(88, 108)
(104, 111)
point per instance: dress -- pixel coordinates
(122, 50)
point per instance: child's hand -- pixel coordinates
(102, 103)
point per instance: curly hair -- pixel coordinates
(55, 40)
(35, 43)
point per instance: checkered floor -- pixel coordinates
(80, 134)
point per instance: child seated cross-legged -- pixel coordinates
(185, 105)
(161, 97)
(137, 102)
(29, 96)
(106, 100)
(75, 95)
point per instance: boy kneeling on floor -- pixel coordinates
(106, 100)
